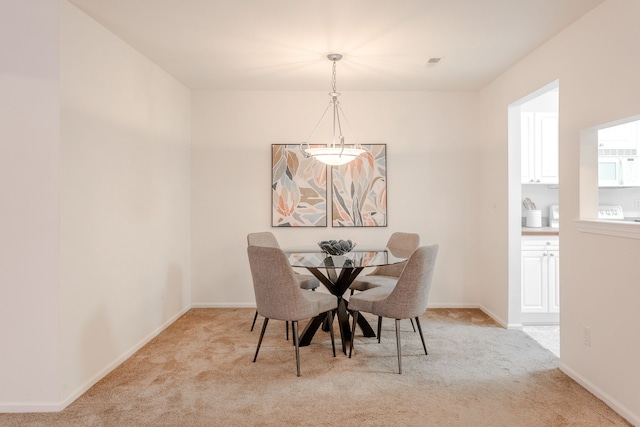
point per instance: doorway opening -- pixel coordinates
(534, 251)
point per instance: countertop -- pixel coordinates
(540, 231)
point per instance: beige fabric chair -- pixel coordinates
(401, 244)
(407, 300)
(267, 239)
(278, 295)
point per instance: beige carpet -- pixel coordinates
(199, 373)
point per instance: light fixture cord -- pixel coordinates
(337, 110)
(333, 78)
(332, 103)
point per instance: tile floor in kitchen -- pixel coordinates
(547, 336)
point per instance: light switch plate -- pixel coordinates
(586, 336)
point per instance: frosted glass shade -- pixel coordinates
(334, 156)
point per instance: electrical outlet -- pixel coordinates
(586, 336)
(637, 204)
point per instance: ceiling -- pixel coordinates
(386, 44)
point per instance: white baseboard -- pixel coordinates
(83, 389)
(489, 313)
(452, 306)
(15, 408)
(253, 305)
(622, 410)
(223, 305)
(497, 318)
(596, 391)
(57, 407)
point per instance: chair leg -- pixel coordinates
(287, 328)
(264, 328)
(412, 325)
(379, 328)
(398, 345)
(353, 334)
(296, 342)
(333, 340)
(255, 316)
(421, 336)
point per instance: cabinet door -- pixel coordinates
(527, 152)
(620, 137)
(553, 277)
(546, 146)
(535, 298)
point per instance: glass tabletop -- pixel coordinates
(353, 259)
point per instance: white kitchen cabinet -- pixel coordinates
(539, 147)
(619, 140)
(540, 279)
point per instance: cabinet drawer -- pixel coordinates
(539, 243)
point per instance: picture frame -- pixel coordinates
(359, 190)
(298, 188)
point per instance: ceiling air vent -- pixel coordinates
(432, 62)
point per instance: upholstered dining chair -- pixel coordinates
(278, 295)
(267, 239)
(407, 300)
(401, 244)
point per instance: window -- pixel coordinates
(610, 179)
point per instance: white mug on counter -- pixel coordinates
(533, 218)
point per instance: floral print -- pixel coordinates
(360, 190)
(298, 188)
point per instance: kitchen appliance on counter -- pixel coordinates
(619, 156)
(610, 212)
(554, 216)
(533, 216)
(618, 169)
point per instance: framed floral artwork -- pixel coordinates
(298, 188)
(359, 190)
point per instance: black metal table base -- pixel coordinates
(337, 285)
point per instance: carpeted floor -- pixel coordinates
(199, 372)
(547, 336)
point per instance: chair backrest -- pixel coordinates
(410, 295)
(278, 295)
(401, 244)
(264, 238)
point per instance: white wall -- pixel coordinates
(624, 197)
(29, 204)
(542, 195)
(95, 245)
(96, 203)
(431, 176)
(597, 64)
(125, 200)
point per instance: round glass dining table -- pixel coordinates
(336, 273)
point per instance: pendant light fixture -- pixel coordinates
(336, 153)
